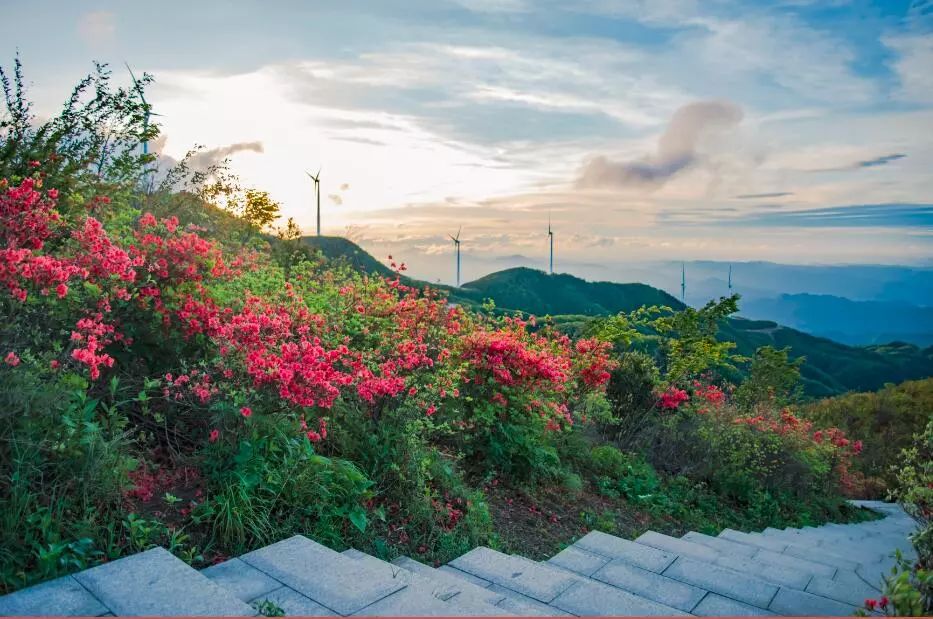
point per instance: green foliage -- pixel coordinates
(631, 396)
(772, 378)
(885, 421)
(271, 484)
(910, 586)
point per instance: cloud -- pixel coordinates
(893, 215)
(912, 66)
(877, 161)
(677, 148)
(336, 199)
(874, 162)
(756, 196)
(213, 156)
(494, 6)
(97, 28)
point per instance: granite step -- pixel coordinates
(153, 582)
(538, 581)
(336, 582)
(460, 597)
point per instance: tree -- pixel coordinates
(773, 377)
(259, 210)
(93, 142)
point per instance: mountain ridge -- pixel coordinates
(831, 367)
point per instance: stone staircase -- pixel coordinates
(827, 570)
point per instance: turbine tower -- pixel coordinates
(317, 192)
(683, 283)
(456, 240)
(550, 236)
(730, 279)
(148, 108)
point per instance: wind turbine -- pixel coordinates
(683, 283)
(148, 108)
(317, 192)
(550, 236)
(456, 240)
(730, 279)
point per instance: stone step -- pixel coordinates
(775, 574)
(722, 580)
(578, 560)
(768, 543)
(153, 582)
(650, 585)
(535, 580)
(720, 544)
(61, 597)
(791, 603)
(845, 587)
(718, 606)
(525, 606)
(612, 547)
(253, 586)
(336, 582)
(676, 546)
(454, 582)
(590, 598)
(455, 598)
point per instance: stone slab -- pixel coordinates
(408, 602)
(476, 580)
(536, 580)
(523, 605)
(155, 582)
(754, 540)
(590, 599)
(295, 604)
(245, 581)
(62, 596)
(650, 585)
(849, 589)
(677, 546)
(822, 555)
(330, 579)
(578, 560)
(723, 581)
(720, 544)
(791, 603)
(454, 582)
(718, 606)
(645, 557)
(777, 574)
(796, 563)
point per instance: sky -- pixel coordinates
(794, 131)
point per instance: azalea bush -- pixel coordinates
(319, 402)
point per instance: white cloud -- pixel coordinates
(97, 28)
(914, 66)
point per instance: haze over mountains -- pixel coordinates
(853, 304)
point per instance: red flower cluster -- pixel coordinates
(672, 398)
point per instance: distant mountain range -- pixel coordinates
(844, 320)
(831, 367)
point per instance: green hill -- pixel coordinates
(339, 248)
(537, 292)
(831, 368)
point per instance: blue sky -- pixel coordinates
(795, 131)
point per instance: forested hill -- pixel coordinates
(831, 367)
(539, 293)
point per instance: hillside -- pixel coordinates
(539, 293)
(339, 248)
(831, 367)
